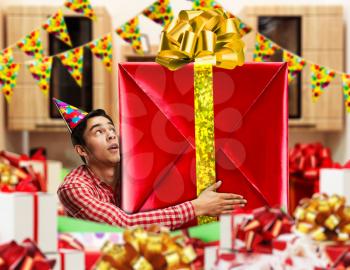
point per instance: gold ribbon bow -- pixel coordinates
(324, 218)
(147, 250)
(201, 36)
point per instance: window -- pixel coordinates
(63, 86)
(286, 32)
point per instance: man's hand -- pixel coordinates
(211, 203)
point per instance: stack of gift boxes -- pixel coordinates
(30, 216)
(268, 238)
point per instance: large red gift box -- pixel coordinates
(157, 134)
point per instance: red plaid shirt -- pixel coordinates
(84, 196)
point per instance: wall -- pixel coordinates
(120, 12)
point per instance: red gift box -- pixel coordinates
(157, 134)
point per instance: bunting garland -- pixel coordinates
(41, 72)
(6, 56)
(210, 4)
(8, 78)
(295, 64)
(57, 26)
(130, 32)
(346, 90)
(320, 79)
(73, 62)
(32, 45)
(159, 12)
(82, 7)
(102, 49)
(264, 48)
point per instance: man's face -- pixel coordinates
(102, 141)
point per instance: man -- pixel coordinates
(91, 191)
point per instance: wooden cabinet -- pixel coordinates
(30, 108)
(322, 42)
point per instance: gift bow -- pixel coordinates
(26, 256)
(202, 36)
(67, 241)
(147, 250)
(266, 225)
(324, 218)
(305, 160)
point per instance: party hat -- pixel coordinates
(71, 115)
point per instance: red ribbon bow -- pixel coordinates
(29, 180)
(266, 225)
(66, 241)
(26, 256)
(305, 160)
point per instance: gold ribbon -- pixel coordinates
(147, 250)
(207, 38)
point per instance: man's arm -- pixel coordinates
(79, 200)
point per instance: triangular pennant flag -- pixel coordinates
(82, 7)
(210, 4)
(320, 79)
(130, 32)
(264, 48)
(73, 61)
(160, 12)
(102, 49)
(346, 90)
(8, 77)
(205, 4)
(57, 26)
(32, 45)
(295, 64)
(6, 56)
(41, 71)
(242, 27)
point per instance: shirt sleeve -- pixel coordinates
(79, 201)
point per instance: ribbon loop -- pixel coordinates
(198, 34)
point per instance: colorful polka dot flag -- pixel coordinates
(160, 12)
(57, 26)
(73, 61)
(210, 4)
(8, 78)
(41, 72)
(102, 49)
(82, 7)
(70, 114)
(6, 56)
(346, 90)
(130, 32)
(295, 64)
(264, 48)
(32, 45)
(320, 79)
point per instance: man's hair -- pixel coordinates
(77, 135)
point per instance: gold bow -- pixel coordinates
(147, 250)
(324, 218)
(209, 36)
